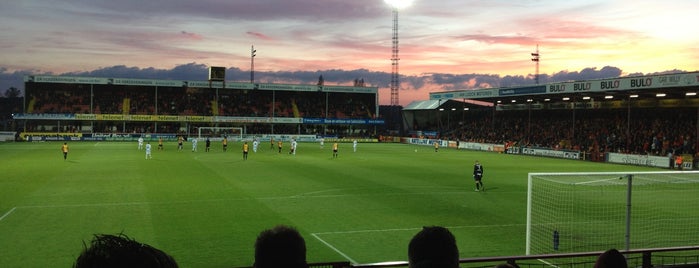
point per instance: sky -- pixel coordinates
(444, 45)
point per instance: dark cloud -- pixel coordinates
(259, 10)
(447, 82)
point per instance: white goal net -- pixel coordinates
(217, 133)
(596, 211)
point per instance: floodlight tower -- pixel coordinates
(252, 63)
(395, 82)
(535, 58)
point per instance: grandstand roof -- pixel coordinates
(443, 104)
(676, 86)
(196, 84)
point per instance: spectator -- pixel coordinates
(611, 259)
(281, 246)
(433, 247)
(117, 251)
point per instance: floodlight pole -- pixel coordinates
(395, 83)
(536, 58)
(252, 64)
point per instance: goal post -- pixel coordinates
(596, 211)
(232, 133)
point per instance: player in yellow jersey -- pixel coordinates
(245, 151)
(64, 149)
(225, 143)
(335, 147)
(160, 143)
(436, 146)
(279, 145)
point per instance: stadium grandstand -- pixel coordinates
(89, 107)
(653, 115)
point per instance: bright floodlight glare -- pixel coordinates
(399, 4)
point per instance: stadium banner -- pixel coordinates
(147, 82)
(465, 94)
(626, 83)
(337, 121)
(349, 89)
(639, 160)
(7, 136)
(551, 153)
(394, 139)
(51, 136)
(240, 85)
(428, 142)
(85, 117)
(232, 119)
(198, 119)
(66, 79)
(689, 79)
(44, 116)
(289, 87)
(490, 147)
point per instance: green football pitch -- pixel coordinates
(206, 208)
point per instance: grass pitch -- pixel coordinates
(206, 208)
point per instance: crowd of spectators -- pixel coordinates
(638, 131)
(119, 99)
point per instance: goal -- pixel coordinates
(596, 211)
(232, 133)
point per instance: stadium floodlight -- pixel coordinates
(399, 4)
(690, 94)
(395, 83)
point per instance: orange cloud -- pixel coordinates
(259, 35)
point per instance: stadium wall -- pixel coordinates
(688, 162)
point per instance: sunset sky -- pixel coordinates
(446, 36)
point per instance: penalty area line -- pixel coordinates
(7, 213)
(334, 248)
(547, 263)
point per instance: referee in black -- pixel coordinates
(478, 176)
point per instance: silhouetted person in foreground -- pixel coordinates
(281, 246)
(120, 251)
(611, 259)
(433, 247)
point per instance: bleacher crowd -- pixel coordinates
(645, 131)
(199, 101)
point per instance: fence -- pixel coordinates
(656, 257)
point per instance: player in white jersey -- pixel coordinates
(194, 144)
(293, 146)
(322, 142)
(148, 155)
(255, 143)
(354, 145)
(140, 143)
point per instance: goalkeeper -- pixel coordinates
(478, 176)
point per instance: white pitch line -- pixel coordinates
(8, 213)
(548, 263)
(416, 229)
(334, 248)
(595, 181)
